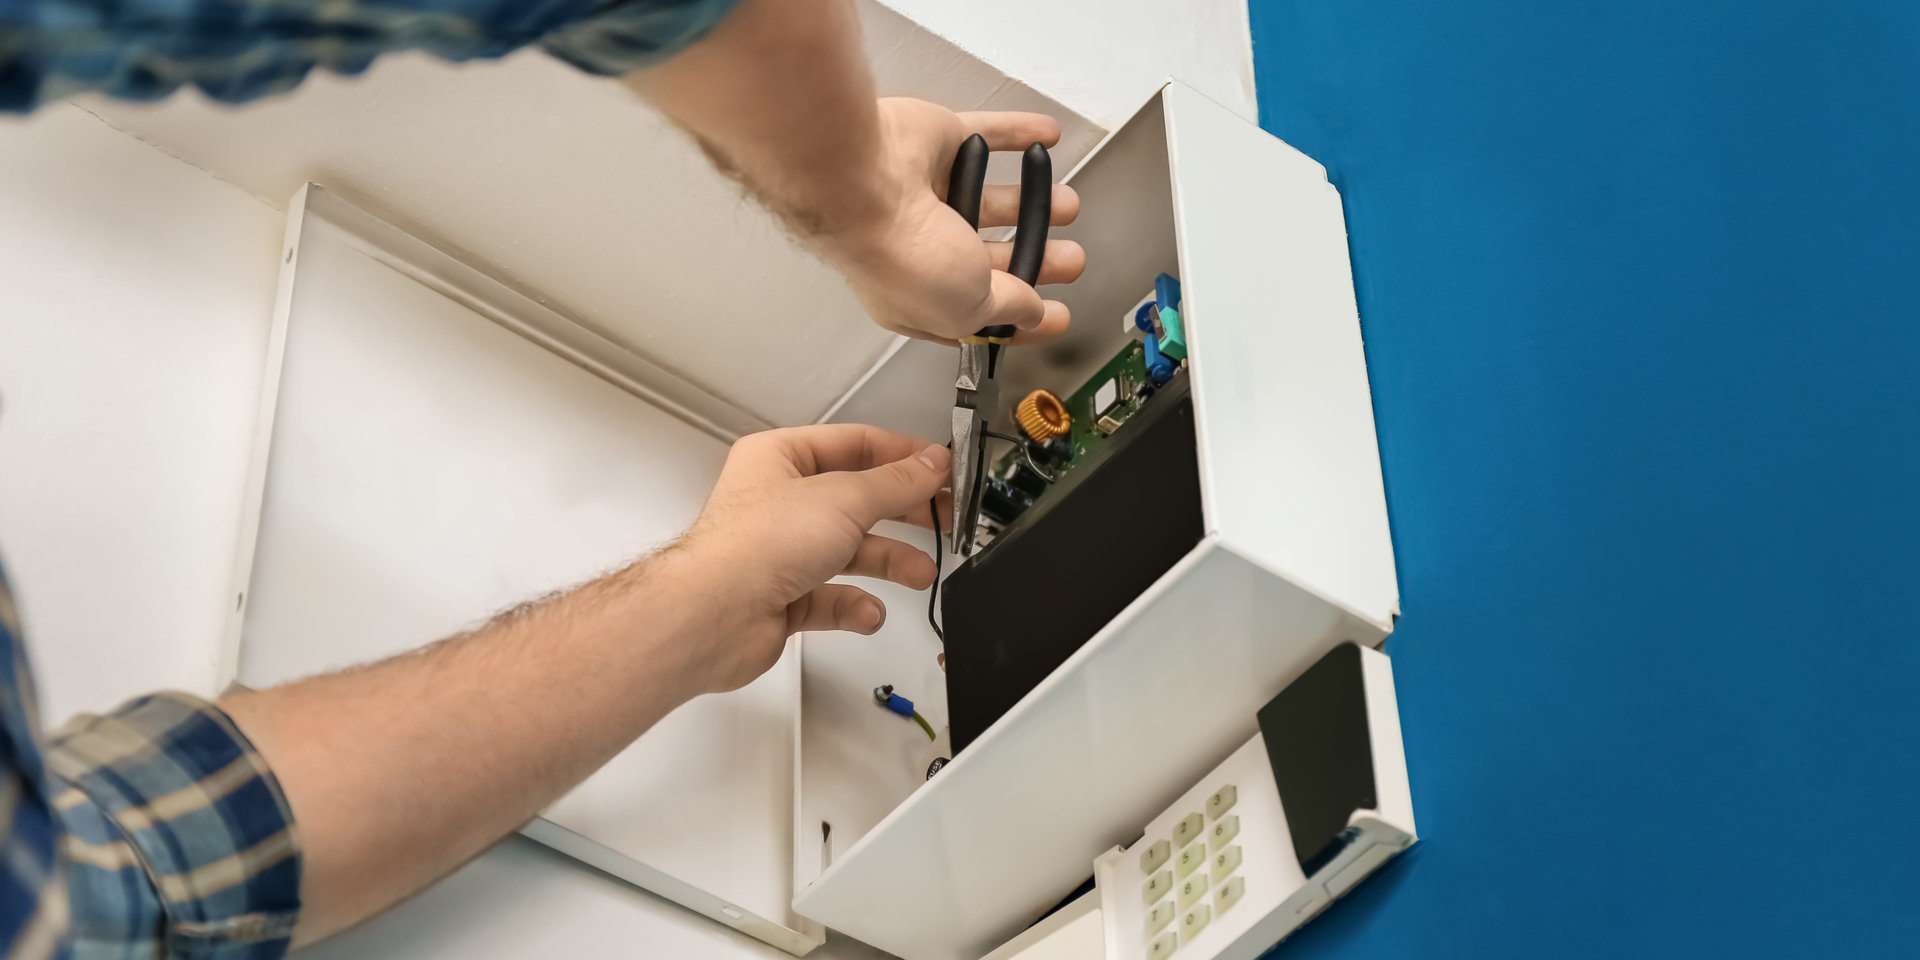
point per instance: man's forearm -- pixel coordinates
(781, 98)
(401, 771)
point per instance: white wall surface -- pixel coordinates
(1104, 58)
(134, 297)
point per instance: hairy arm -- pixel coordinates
(781, 99)
(400, 772)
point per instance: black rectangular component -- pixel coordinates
(1085, 549)
(1321, 749)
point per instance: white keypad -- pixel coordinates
(1184, 867)
(1226, 883)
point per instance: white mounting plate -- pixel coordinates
(1297, 556)
(434, 447)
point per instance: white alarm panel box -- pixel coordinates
(1295, 558)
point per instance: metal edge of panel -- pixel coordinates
(440, 272)
(427, 264)
(253, 495)
(597, 855)
(1196, 366)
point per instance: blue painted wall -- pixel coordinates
(1640, 284)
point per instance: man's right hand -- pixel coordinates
(916, 265)
(780, 98)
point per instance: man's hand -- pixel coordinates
(917, 266)
(780, 98)
(791, 510)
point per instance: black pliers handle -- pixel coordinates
(976, 396)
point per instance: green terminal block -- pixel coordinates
(1174, 344)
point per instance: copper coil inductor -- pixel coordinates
(1042, 416)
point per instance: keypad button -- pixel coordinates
(1225, 862)
(1157, 886)
(1224, 831)
(1192, 889)
(1161, 915)
(1163, 947)
(1194, 921)
(1190, 859)
(1230, 893)
(1152, 857)
(1187, 831)
(1221, 801)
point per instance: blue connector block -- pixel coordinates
(1159, 365)
(1166, 291)
(900, 705)
(1166, 297)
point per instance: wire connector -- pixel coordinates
(893, 701)
(885, 696)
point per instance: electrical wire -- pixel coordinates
(933, 594)
(924, 725)
(1025, 451)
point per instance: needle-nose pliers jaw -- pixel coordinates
(976, 395)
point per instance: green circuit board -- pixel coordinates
(1119, 386)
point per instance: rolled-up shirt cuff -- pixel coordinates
(628, 35)
(182, 795)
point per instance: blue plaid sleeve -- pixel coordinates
(177, 838)
(33, 888)
(238, 50)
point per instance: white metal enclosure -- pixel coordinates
(1297, 556)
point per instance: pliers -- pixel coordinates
(976, 396)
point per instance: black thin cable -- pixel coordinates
(939, 547)
(1025, 451)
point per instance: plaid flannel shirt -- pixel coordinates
(153, 831)
(237, 50)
